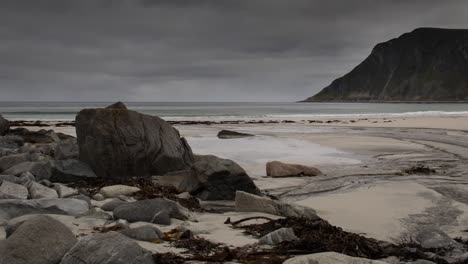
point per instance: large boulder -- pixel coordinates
(107, 248)
(39, 240)
(11, 208)
(120, 143)
(4, 125)
(70, 170)
(246, 202)
(40, 169)
(330, 258)
(151, 211)
(220, 178)
(280, 169)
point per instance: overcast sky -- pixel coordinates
(197, 50)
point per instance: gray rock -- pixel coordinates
(280, 169)
(37, 137)
(107, 248)
(99, 197)
(9, 190)
(11, 142)
(70, 171)
(151, 211)
(10, 178)
(228, 134)
(119, 143)
(97, 213)
(43, 148)
(278, 236)
(432, 237)
(422, 261)
(39, 191)
(144, 233)
(7, 162)
(64, 191)
(330, 258)
(116, 190)
(221, 178)
(39, 240)
(182, 181)
(66, 149)
(246, 202)
(26, 178)
(46, 183)
(83, 198)
(11, 208)
(4, 125)
(110, 206)
(6, 151)
(40, 169)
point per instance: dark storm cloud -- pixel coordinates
(197, 50)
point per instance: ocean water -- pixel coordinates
(234, 111)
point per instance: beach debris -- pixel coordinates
(278, 236)
(113, 191)
(280, 169)
(419, 169)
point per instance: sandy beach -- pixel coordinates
(364, 189)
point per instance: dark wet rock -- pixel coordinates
(39, 191)
(220, 178)
(120, 143)
(41, 136)
(39, 240)
(144, 233)
(278, 236)
(46, 149)
(280, 169)
(4, 125)
(11, 142)
(40, 169)
(152, 211)
(9, 190)
(66, 149)
(227, 134)
(11, 208)
(107, 248)
(7, 162)
(71, 170)
(6, 151)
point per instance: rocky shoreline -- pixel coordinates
(129, 189)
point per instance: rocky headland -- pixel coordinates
(425, 65)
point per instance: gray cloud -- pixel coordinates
(197, 50)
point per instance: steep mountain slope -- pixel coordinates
(427, 64)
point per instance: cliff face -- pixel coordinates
(427, 64)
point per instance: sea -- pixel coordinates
(229, 111)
